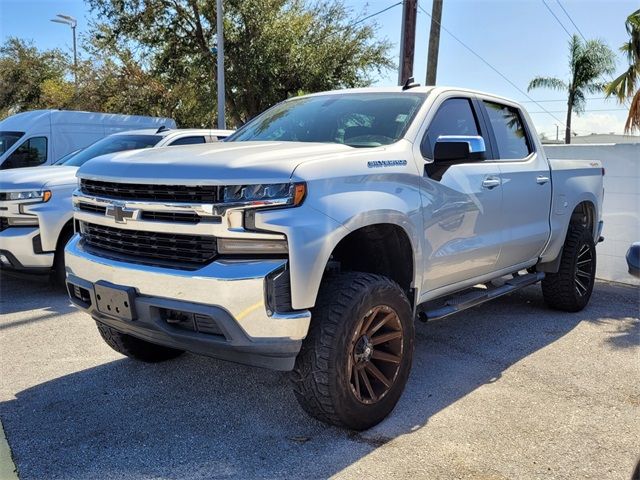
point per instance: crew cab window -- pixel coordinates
(31, 153)
(454, 117)
(509, 131)
(188, 141)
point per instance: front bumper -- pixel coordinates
(230, 292)
(19, 245)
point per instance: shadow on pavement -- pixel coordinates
(196, 417)
(31, 292)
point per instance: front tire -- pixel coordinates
(570, 288)
(134, 347)
(356, 359)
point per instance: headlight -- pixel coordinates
(41, 195)
(291, 194)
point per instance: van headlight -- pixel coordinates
(265, 194)
(41, 195)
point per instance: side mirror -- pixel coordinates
(453, 149)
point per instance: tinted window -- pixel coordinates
(354, 119)
(31, 153)
(111, 144)
(188, 141)
(454, 117)
(7, 139)
(511, 137)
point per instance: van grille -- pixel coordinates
(137, 191)
(151, 247)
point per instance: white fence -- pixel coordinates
(621, 209)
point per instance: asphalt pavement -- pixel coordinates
(508, 390)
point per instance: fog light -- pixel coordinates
(4, 260)
(22, 221)
(243, 246)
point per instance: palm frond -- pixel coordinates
(547, 82)
(633, 119)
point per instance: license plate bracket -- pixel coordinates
(115, 300)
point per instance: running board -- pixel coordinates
(462, 302)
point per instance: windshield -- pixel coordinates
(7, 139)
(111, 144)
(354, 119)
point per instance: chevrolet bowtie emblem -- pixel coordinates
(121, 213)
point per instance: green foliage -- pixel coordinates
(29, 78)
(627, 85)
(274, 49)
(588, 62)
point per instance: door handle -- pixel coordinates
(491, 182)
(541, 180)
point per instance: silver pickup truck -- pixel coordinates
(312, 238)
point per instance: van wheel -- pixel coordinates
(570, 288)
(58, 276)
(134, 347)
(356, 359)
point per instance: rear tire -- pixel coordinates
(134, 347)
(361, 328)
(570, 288)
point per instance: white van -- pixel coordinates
(41, 137)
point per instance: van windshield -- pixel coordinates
(353, 119)
(7, 139)
(111, 144)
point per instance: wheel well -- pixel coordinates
(384, 249)
(68, 227)
(584, 215)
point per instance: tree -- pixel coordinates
(627, 85)
(29, 78)
(588, 62)
(274, 49)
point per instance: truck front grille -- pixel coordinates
(138, 191)
(151, 247)
(183, 217)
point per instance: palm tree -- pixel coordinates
(588, 62)
(626, 85)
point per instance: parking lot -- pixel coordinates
(508, 390)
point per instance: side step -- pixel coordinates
(476, 297)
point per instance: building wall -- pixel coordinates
(621, 208)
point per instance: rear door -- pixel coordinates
(462, 205)
(526, 183)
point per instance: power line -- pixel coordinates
(562, 100)
(493, 68)
(554, 16)
(571, 20)
(586, 111)
(375, 14)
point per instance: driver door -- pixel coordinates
(461, 204)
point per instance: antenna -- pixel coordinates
(410, 83)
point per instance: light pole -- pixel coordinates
(220, 40)
(72, 22)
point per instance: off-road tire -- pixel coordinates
(321, 382)
(134, 347)
(560, 290)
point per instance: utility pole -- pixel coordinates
(407, 40)
(220, 40)
(434, 42)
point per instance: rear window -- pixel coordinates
(111, 144)
(508, 128)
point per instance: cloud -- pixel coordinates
(588, 123)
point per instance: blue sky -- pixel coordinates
(520, 38)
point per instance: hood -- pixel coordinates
(36, 178)
(214, 163)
